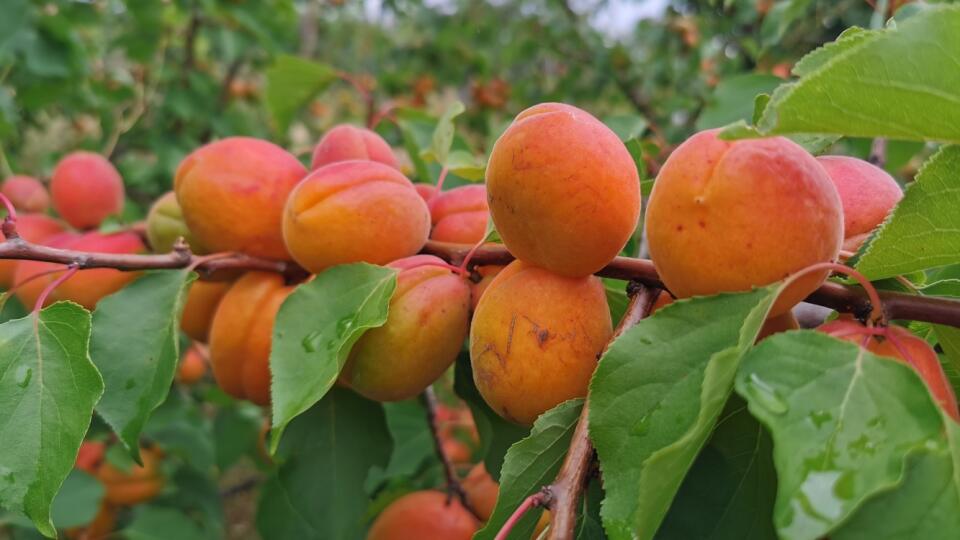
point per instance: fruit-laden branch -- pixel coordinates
(454, 489)
(847, 299)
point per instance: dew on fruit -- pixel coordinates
(765, 395)
(23, 375)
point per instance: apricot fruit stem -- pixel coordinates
(71, 269)
(439, 189)
(539, 498)
(876, 306)
(11, 210)
(453, 486)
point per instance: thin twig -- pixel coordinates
(878, 152)
(429, 399)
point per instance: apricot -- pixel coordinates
(777, 324)
(165, 224)
(425, 191)
(425, 329)
(487, 273)
(36, 228)
(193, 366)
(86, 189)
(345, 143)
(354, 211)
(867, 194)
(731, 215)
(535, 339)
(90, 456)
(86, 287)
(26, 193)
(136, 485)
(232, 192)
(563, 190)
(902, 345)
(241, 335)
(424, 514)
(200, 306)
(460, 215)
(482, 492)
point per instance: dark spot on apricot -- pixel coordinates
(679, 228)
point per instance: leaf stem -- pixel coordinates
(42, 299)
(537, 499)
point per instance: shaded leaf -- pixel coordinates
(291, 83)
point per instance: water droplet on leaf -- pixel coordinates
(765, 395)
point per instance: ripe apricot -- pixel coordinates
(535, 339)
(482, 491)
(425, 191)
(136, 485)
(192, 366)
(460, 215)
(241, 335)
(36, 228)
(425, 329)
(86, 287)
(563, 190)
(165, 224)
(90, 456)
(867, 194)
(201, 304)
(777, 324)
(424, 514)
(902, 345)
(731, 215)
(345, 142)
(232, 193)
(86, 189)
(26, 193)
(354, 211)
(487, 273)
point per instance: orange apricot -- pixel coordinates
(26, 193)
(424, 514)
(354, 211)
(232, 192)
(535, 339)
(487, 273)
(345, 143)
(90, 456)
(900, 344)
(86, 287)
(241, 334)
(460, 215)
(425, 191)
(777, 324)
(731, 215)
(192, 366)
(425, 329)
(36, 228)
(165, 225)
(867, 193)
(482, 492)
(563, 190)
(86, 189)
(136, 485)
(201, 305)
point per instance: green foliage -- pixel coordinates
(291, 83)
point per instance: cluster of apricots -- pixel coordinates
(564, 195)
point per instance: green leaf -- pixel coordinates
(78, 500)
(315, 329)
(848, 39)
(924, 229)
(843, 422)
(48, 387)
(291, 83)
(135, 345)
(636, 149)
(655, 396)
(878, 86)
(466, 165)
(158, 523)
(412, 441)
(327, 454)
(627, 126)
(530, 464)
(443, 134)
(733, 99)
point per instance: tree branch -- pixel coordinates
(848, 299)
(429, 399)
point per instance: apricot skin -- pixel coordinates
(535, 339)
(425, 191)
(200, 306)
(165, 225)
(424, 514)
(36, 228)
(192, 366)
(731, 215)
(460, 215)
(867, 194)
(354, 211)
(86, 189)
(241, 335)
(86, 287)
(482, 492)
(345, 143)
(26, 193)
(427, 323)
(487, 274)
(912, 351)
(138, 485)
(563, 190)
(232, 193)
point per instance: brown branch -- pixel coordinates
(878, 152)
(564, 492)
(429, 399)
(848, 299)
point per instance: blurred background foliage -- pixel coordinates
(147, 81)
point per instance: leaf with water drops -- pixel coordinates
(850, 431)
(135, 345)
(315, 329)
(655, 398)
(48, 387)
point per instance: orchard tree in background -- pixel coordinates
(568, 309)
